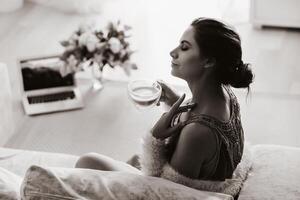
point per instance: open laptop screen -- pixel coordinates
(43, 73)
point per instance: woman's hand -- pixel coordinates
(168, 96)
(162, 129)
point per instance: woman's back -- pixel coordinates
(229, 140)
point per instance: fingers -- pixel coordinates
(165, 86)
(176, 105)
(168, 95)
(162, 97)
(163, 92)
(185, 108)
(174, 108)
(175, 129)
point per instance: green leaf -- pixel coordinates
(65, 43)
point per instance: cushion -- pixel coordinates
(18, 161)
(275, 173)
(76, 183)
(9, 185)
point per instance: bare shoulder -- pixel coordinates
(196, 145)
(197, 131)
(199, 137)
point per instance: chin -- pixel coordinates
(175, 73)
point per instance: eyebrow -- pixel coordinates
(185, 41)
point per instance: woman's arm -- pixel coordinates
(196, 145)
(154, 148)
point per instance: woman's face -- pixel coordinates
(187, 62)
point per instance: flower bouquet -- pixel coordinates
(97, 48)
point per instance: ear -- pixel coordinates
(209, 62)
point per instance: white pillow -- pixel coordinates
(75, 183)
(9, 185)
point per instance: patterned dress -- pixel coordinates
(230, 139)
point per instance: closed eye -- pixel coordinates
(183, 47)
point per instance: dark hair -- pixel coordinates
(219, 42)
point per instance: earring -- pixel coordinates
(208, 65)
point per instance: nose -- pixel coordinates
(173, 54)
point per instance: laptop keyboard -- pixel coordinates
(51, 97)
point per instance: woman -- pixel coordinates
(204, 140)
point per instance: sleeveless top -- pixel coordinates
(229, 137)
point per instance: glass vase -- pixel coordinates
(97, 77)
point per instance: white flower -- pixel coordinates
(91, 46)
(85, 27)
(115, 45)
(119, 27)
(74, 37)
(83, 39)
(70, 66)
(89, 40)
(122, 53)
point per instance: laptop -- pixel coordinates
(45, 89)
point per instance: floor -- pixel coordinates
(270, 114)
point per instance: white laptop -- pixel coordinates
(45, 90)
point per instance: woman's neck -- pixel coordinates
(205, 90)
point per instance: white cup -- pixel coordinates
(144, 93)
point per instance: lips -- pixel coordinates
(174, 64)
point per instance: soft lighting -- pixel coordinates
(10, 5)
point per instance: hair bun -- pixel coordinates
(243, 76)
